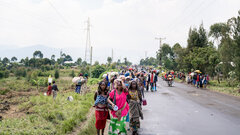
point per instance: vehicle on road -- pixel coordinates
(170, 80)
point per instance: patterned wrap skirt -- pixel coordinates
(117, 127)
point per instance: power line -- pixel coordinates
(60, 15)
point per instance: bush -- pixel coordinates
(4, 74)
(1, 74)
(20, 72)
(56, 74)
(97, 71)
(92, 81)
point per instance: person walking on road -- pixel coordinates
(135, 110)
(141, 82)
(118, 120)
(155, 81)
(152, 77)
(101, 110)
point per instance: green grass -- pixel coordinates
(15, 84)
(223, 88)
(48, 116)
(90, 128)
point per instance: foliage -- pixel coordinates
(56, 74)
(48, 116)
(92, 81)
(97, 70)
(72, 74)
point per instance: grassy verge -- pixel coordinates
(89, 129)
(46, 116)
(223, 88)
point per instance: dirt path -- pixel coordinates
(82, 125)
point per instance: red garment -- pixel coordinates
(101, 115)
(152, 78)
(198, 78)
(49, 90)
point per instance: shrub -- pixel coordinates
(97, 71)
(20, 72)
(56, 74)
(4, 74)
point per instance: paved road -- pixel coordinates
(185, 110)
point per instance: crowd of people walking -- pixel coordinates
(120, 97)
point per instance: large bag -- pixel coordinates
(114, 101)
(144, 102)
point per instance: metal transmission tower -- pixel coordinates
(88, 43)
(160, 45)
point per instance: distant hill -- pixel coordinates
(99, 53)
(28, 52)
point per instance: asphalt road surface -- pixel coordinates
(186, 110)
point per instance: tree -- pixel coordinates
(126, 62)
(219, 30)
(53, 57)
(96, 63)
(13, 59)
(235, 29)
(5, 61)
(79, 61)
(109, 60)
(68, 58)
(56, 74)
(197, 38)
(38, 54)
(84, 63)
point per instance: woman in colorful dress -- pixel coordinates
(101, 110)
(135, 99)
(118, 119)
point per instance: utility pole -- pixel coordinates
(88, 41)
(90, 62)
(112, 54)
(160, 45)
(145, 54)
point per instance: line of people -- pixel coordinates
(197, 79)
(123, 94)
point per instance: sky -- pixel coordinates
(129, 27)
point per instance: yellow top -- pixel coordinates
(134, 95)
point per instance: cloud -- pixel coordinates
(127, 26)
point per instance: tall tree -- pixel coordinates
(235, 29)
(109, 60)
(79, 61)
(5, 61)
(38, 54)
(13, 59)
(219, 30)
